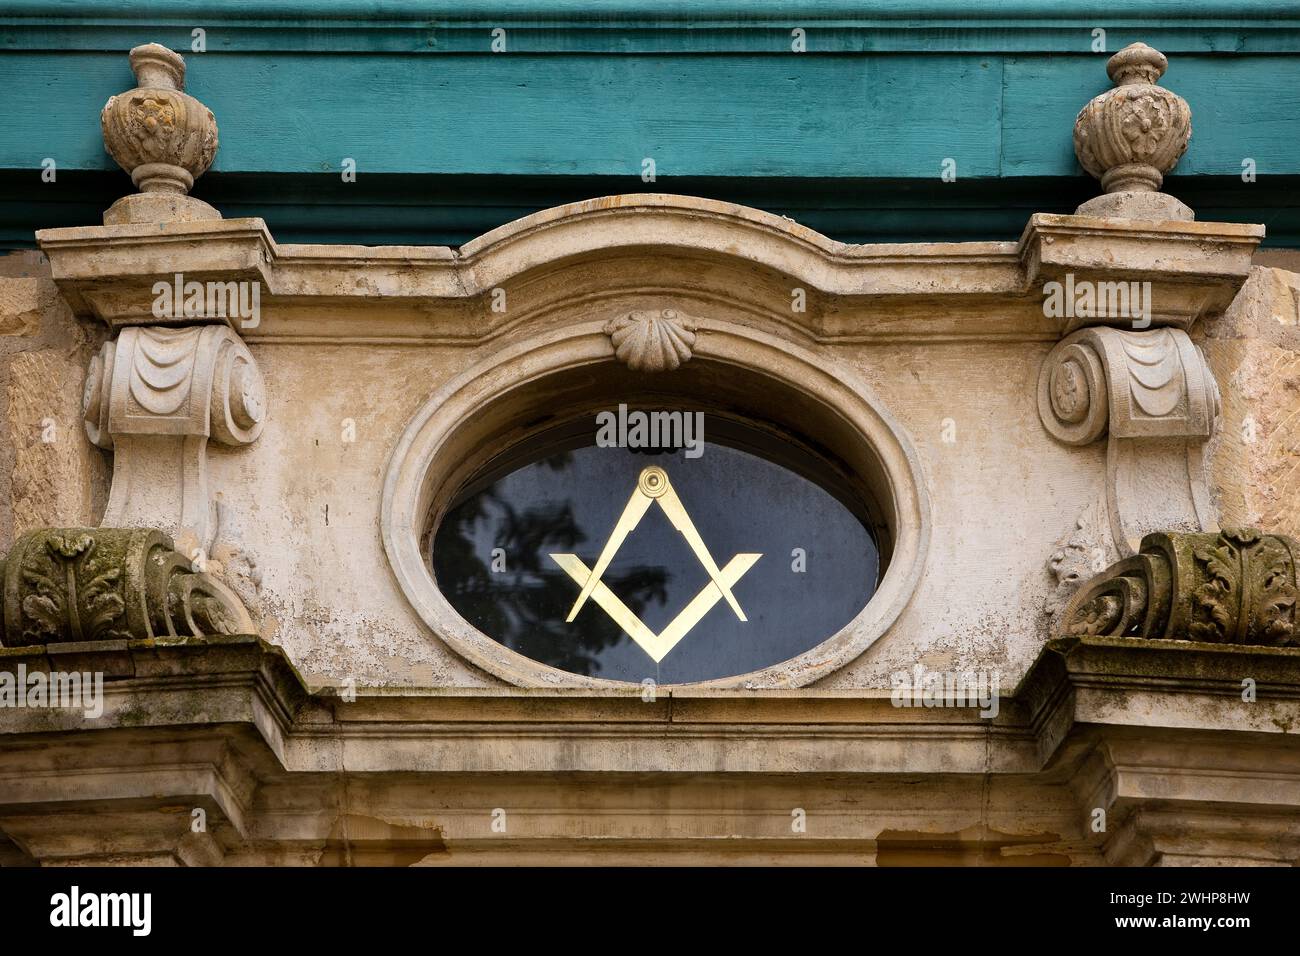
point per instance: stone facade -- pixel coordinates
(51, 476)
(1092, 503)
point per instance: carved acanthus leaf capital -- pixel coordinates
(1238, 586)
(95, 584)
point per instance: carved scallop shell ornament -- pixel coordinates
(652, 341)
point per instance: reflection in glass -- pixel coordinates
(491, 558)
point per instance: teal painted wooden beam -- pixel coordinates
(666, 26)
(890, 116)
(438, 210)
(587, 91)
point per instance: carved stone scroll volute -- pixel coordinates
(1153, 396)
(88, 584)
(154, 397)
(1235, 587)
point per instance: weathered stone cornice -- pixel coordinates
(588, 252)
(1195, 268)
(1106, 681)
(1153, 733)
(108, 272)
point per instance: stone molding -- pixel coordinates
(1235, 587)
(106, 584)
(1091, 680)
(1153, 396)
(1154, 732)
(154, 396)
(576, 256)
(1195, 268)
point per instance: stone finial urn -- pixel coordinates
(1129, 137)
(163, 137)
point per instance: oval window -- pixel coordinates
(611, 554)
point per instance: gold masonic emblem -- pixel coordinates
(652, 486)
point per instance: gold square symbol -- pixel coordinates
(653, 486)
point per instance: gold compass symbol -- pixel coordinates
(653, 486)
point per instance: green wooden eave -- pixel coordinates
(448, 136)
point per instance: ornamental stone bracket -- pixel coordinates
(1124, 372)
(177, 374)
(1238, 586)
(1154, 398)
(87, 584)
(154, 396)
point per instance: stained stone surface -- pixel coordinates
(948, 339)
(1254, 350)
(50, 474)
(951, 340)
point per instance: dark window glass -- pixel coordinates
(819, 563)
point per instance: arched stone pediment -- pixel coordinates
(607, 252)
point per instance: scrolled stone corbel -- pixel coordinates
(154, 396)
(1153, 383)
(1152, 393)
(162, 137)
(1129, 137)
(1238, 586)
(98, 584)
